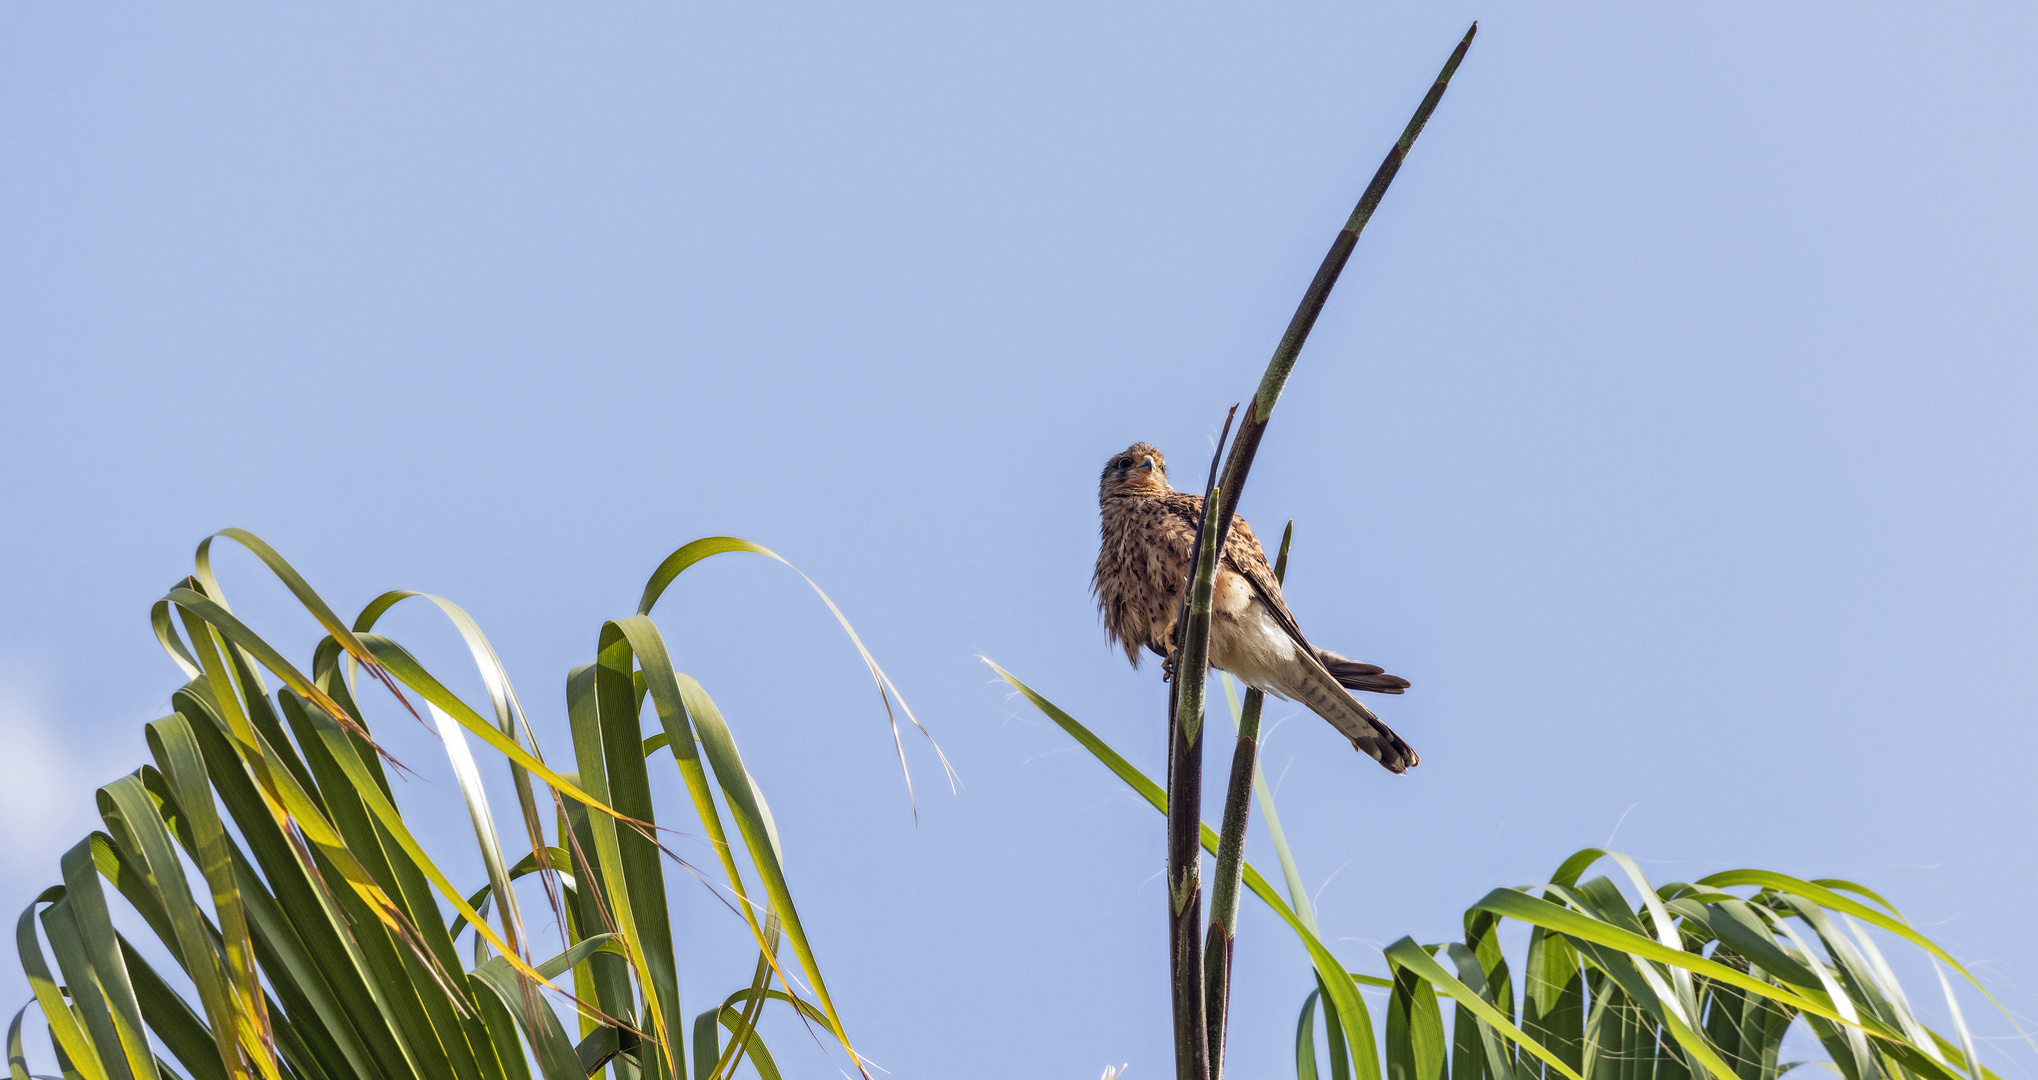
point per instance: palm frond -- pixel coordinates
(1684, 981)
(316, 940)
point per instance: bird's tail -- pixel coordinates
(1325, 695)
(1353, 675)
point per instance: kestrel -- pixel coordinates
(1149, 538)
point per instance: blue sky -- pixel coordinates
(1671, 430)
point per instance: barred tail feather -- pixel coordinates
(1353, 675)
(1325, 695)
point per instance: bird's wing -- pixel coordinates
(1244, 555)
(1313, 683)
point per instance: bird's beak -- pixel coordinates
(1147, 465)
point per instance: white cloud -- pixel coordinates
(45, 798)
(47, 805)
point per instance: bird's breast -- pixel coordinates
(1231, 594)
(1249, 643)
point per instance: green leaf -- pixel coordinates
(1334, 980)
(1409, 956)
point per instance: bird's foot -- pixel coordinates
(1168, 668)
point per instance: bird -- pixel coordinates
(1148, 538)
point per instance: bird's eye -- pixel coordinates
(1122, 462)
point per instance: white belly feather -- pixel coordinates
(1247, 641)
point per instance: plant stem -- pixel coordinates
(1283, 362)
(1263, 798)
(1185, 886)
(1185, 792)
(1226, 495)
(1217, 942)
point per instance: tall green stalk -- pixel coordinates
(1282, 364)
(1200, 994)
(1185, 794)
(1245, 758)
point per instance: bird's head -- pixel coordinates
(1138, 469)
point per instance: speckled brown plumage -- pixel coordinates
(1143, 562)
